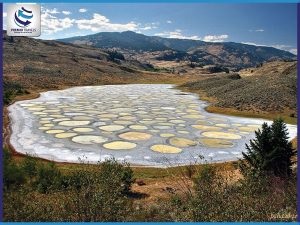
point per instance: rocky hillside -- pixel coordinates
(227, 54)
(265, 91)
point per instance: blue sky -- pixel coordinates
(259, 24)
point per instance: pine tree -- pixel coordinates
(283, 151)
(257, 151)
(270, 152)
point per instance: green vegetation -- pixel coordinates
(43, 191)
(218, 198)
(218, 69)
(12, 89)
(115, 56)
(39, 191)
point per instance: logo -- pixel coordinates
(22, 17)
(24, 20)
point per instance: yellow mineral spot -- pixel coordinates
(181, 142)
(89, 139)
(44, 128)
(44, 122)
(74, 123)
(182, 132)
(65, 135)
(111, 128)
(167, 149)
(83, 129)
(216, 143)
(108, 115)
(26, 104)
(135, 136)
(119, 145)
(127, 118)
(54, 131)
(51, 110)
(138, 127)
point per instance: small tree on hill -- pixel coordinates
(270, 152)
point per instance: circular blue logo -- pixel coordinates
(23, 17)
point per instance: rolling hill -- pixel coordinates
(266, 90)
(41, 64)
(229, 54)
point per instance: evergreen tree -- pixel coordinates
(283, 151)
(270, 152)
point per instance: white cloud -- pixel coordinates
(252, 43)
(100, 23)
(215, 38)
(51, 24)
(149, 26)
(50, 11)
(146, 28)
(177, 34)
(4, 14)
(169, 21)
(82, 10)
(66, 12)
(257, 30)
(294, 51)
(288, 48)
(282, 47)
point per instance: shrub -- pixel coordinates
(115, 56)
(48, 178)
(11, 89)
(13, 175)
(29, 166)
(100, 195)
(113, 175)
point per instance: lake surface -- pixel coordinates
(143, 124)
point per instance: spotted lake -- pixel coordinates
(143, 124)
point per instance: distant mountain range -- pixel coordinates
(230, 54)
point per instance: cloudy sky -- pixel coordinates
(258, 24)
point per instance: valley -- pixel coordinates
(157, 103)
